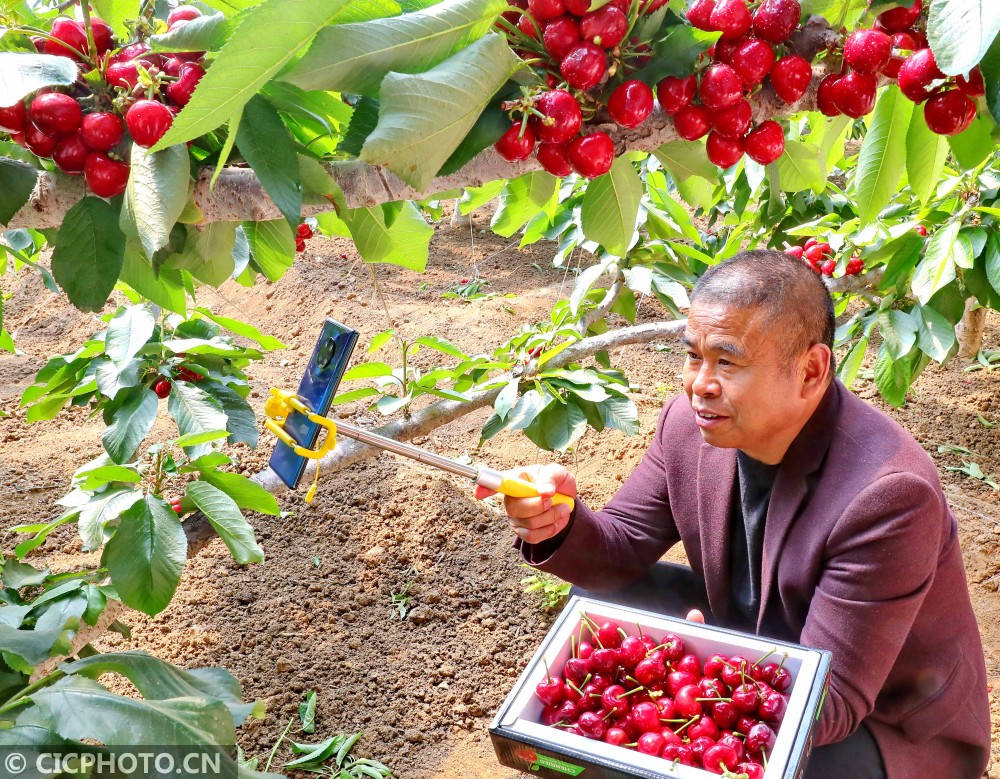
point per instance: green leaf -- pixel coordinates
(936, 335)
(442, 345)
(208, 32)
(98, 477)
(938, 265)
(272, 245)
(424, 117)
(960, 32)
(491, 124)
(686, 159)
(892, 377)
(557, 426)
(243, 329)
(132, 422)
(840, 13)
(24, 73)
(615, 412)
(676, 53)
(882, 158)
(166, 289)
(899, 332)
(974, 145)
(991, 76)
(193, 439)
(222, 511)
(146, 555)
(926, 153)
(17, 180)
(156, 196)
(195, 410)
(847, 370)
(476, 197)
(208, 252)
(363, 122)
(403, 240)
(240, 419)
(89, 253)
(267, 38)
(248, 495)
(900, 257)
(991, 258)
(267, 146)
(367, 370)
(129, 330)
(32, 645)
(521, 199)
(380, 340)
(977, 278)
(610, 207)
(102, 509)
(353, 395)
(115, 12)
(356, 57)
(801, 167)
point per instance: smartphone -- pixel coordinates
(317, 388)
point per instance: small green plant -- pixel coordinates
(552, 592)
(316, 758)
(469, 289)
(987, 359)
(973, 471)
(400, 601)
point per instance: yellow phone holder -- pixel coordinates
(277, 408)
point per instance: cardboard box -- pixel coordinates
(522, 742)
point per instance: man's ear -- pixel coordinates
(816, 369)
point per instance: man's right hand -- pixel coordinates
(536, 519)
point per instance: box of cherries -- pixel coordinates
(619, 692)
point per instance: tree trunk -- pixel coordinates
(969, 330)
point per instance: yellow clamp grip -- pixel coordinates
(519, 488)
(277, 408)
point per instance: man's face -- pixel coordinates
(744, 393)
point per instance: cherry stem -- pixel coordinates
(548, 678)
(689, 722)
(575, 687)
(639, 628)
(626, 694)
(714, 700)
(572, 646)
(621, 630)
(773, 651)
(782, 663)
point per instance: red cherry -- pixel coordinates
(148, 121)
(692, 122)
(854, 266)
(917, 74)
(794, 251)
(825, 95)
(605, 27)
(70, 154)
(592, 155)
(700, 14)
(105, 177)
(162, 389)
(12, 118)
(775, 20)
(651, 743)
(946, 112)
(921, 231)
(854, 94)
(562, 117)
(37, 142)
(719, 758)
(560, 36)
(722, 151)
(179, 92)
(515, 144)
(125, 74)
(720, 87)
(584, 66)
(576, 7)
(130, 52)
(304, 231)
(104, 37)
(828, 267)
(867, 51)
(791, 77)
(674, 93)
(766, 143)
(102, 131)
(56, 114)
(554, 158)
(68, 37)
(899, 19)
(732, 122)
(723, 50)
(901, 41)
(631, 103)
(183, 13)
(616, 737)
(752, 770)
(732, 18)
(752, 61)
(974, 85)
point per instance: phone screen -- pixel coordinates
(317, 388)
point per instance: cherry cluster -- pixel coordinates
(896, 49)
(302, 234)
(818, 255)
(657, 698)
(162, 386)
(578, 50)
(83, 129)
(715, 102)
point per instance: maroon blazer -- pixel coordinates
(861, 557)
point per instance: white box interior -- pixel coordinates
(522, 714)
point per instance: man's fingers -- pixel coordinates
(483, 492)
(696, 616)
(540, 527)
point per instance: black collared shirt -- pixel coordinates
(756, 480)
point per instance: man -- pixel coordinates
(806, 515)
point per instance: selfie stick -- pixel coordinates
(281, 403)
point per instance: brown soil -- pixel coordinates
(317, 615)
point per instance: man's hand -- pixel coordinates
(535, 519)
(696, 616)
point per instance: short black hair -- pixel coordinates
(792, 296)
